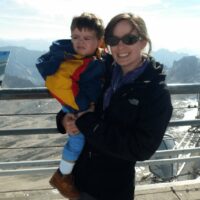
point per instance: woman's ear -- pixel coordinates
(143, 44)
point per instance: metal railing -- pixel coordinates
(29, 167)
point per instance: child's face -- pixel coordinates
(85, 41)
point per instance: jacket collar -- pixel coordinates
(153, 72)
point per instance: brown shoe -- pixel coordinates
(65, 185)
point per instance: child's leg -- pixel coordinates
(71, 152)
(62, 179)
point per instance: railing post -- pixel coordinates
(198, 106)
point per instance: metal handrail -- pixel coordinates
(158, 153)
(27, 171)
(36, 131)
(189, 88)
(50, 162)
(42, 92)
(27, 131)
(24, 93)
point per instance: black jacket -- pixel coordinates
(129, 130)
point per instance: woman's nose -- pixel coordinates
(120, 44)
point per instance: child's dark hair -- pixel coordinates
(88, 21)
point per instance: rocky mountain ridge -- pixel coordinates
(185, 70)
(21, 71)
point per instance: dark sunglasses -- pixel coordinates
(128, 39)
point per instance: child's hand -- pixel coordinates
(90, 109)
(69, 124)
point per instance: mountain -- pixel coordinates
(21, 71)
(21, 68)
(185, 70)
(16, 82)
(162, 55)
(31, 44)
(3, 62)
(167, 57)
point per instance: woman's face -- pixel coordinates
(127, 56)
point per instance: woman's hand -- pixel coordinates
(69, 124)
(70, 119)
(90, 109)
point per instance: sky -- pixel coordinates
(172, 24)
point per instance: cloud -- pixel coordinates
(171, 24)
(54, 17)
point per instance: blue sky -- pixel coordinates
(172, 24)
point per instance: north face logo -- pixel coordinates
(133, 101)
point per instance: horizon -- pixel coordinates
(171, 25)
(32, 45)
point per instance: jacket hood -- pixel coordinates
(62, 45)
(58, 52)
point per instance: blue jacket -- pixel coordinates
(86, 85)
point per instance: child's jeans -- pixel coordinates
(73, 147)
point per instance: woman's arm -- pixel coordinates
(59, 122)
(66, 121)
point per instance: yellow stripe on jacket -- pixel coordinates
(60, 83)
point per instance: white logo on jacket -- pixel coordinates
(133, 101)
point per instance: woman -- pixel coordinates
(130, 119)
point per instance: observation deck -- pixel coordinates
(27, 160)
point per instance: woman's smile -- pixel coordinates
(122, 55)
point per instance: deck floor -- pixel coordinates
(33, 188)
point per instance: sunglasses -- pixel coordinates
(128, 39)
